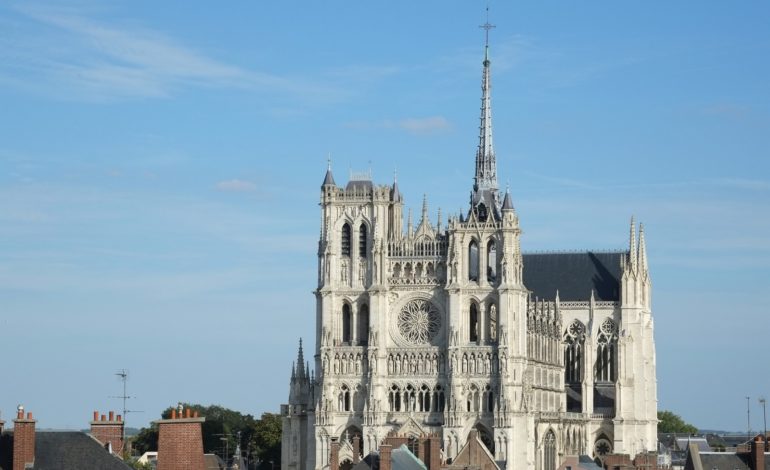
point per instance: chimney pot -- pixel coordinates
(104, 418)
(112, 416)
(120, 418)
(96, 416)
(187, 413)
(173, 413)
(29, 415)
(195, 414)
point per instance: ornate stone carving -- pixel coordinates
(419, 321)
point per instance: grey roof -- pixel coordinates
(329, 179)
(724, 461)
(574, 275)
(507, 203)
(403, 459)
(359, 185)
(587, 463)
(65, 450)
(683, 442)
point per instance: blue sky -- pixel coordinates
(160, 166)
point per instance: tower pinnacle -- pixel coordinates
(484, 199)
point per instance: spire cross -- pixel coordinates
(486, 27)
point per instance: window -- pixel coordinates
(362, 241)
(473, 323)
(344, 399)
(363, 325)
(346, 240)
(473, 261)
(549, 453)
(346, 323)
(491, 262)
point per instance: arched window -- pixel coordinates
(363, 325)
(481, 211)
(394, 398)
(344, 399)
(346, 240)
(473, 323)
(410, 398)
(605, 370)
(492, 323)
(574, 338)
(424, 398)
(549, 451)
(491, 261)
(473, 261)
(489, 400)
(362, 241)
(346, 323)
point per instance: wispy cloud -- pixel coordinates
(236, 185)
(412, 125)
(98, 60)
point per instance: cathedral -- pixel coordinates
(451, 331)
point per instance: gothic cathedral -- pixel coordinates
(454, 331)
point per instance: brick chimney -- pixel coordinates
(23, 440)
(385, 457)
(356, 446)
(108, 431)
(434, 452)
(180, 441)
(758, 453)
(334, 457)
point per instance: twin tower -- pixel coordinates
(451, 331)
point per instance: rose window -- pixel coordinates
(419, 321)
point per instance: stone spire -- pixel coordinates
(486, 166)
(642, 250)
(484, 198)
(300, 362)
(632, 253)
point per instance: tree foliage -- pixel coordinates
(260, 438)
(669, 422)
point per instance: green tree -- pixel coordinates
(261, 437)
(265, 443)
(669, 422)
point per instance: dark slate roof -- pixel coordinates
(724, 461)
(359, 185)
(403, 459)
(587, 463)
(329, 179)
(574, 275)
(65, 450)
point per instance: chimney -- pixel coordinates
(434, 452)
(356, 447)
(385, 457)
(758, 453)
(23, 440)
(180, 441)
(334, 458)
(108, 432)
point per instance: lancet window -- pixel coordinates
(574, 340)
(473, 261)
(489, 400)
(346, 323)
(394, 398)
(345, 240)
(363, 325)
(606, 351)
(549, 451)
(343, 400)
(491, 262)
(492, 323)
(362, 241)
(473, 323)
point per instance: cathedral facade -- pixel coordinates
(451, 330)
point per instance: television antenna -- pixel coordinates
(122, 375)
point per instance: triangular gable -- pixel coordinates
(474, 454)
(346, 451)
(411, 428)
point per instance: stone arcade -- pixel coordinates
(453, 331)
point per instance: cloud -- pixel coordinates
(236, 185)
(428, 125)
(412, 125)
(96, 60)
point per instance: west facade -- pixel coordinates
(451, 330)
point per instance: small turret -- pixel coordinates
(395, 195)
(507, 203)
(642, 251)
(329, 178)
(632, 253)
